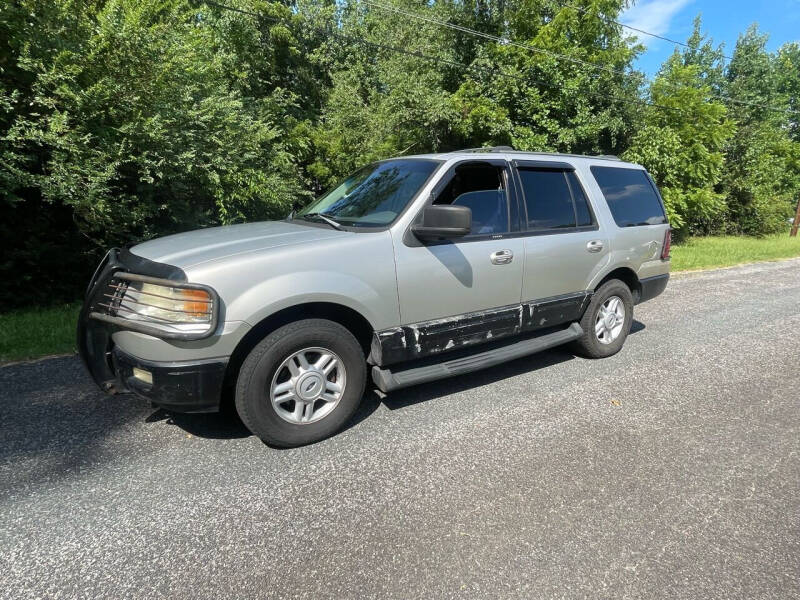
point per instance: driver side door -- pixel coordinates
(464, 290)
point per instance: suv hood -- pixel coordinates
(189, 249)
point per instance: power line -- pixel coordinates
(632, 28)
(359, 40)
(428, 57)
(532, 48)
(495, 38)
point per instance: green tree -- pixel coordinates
(586, 102)
(701, 52)
(387, 96)
(143, 118)
(761, 178)
(384, 102)
(681, 143)
(788, 66)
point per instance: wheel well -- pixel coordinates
(338, 313)
(628, 277)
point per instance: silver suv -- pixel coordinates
(410, 270)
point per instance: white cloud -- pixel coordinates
(654, 16)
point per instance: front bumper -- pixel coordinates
(194, 386)
(182, 386)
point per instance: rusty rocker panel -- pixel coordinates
(426, 338)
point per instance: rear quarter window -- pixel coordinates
(630, 196)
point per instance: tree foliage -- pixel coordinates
(125, 119)
(761, 179)
(682, 140)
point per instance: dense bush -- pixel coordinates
(125, 119)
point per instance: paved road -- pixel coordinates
(668, 471)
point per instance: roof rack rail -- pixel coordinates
(501, 149)
(488, 149)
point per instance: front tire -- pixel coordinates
(607, 321)
(301, 383)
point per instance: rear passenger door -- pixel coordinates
(563, 244)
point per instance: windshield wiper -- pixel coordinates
(325, 217)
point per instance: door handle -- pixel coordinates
(501, 257)
(594, 246)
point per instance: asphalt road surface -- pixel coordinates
(670, 470)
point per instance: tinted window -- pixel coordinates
(582, 211)
(630, 196)
(489, 211)
(547, 198)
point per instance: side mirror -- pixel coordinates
(443, 222)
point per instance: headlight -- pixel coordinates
(167, 304)
(160, 307)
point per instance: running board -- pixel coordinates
(388, 380)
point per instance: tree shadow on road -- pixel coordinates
(403, 398)
(224, 425)
(54, 422)
(227, 425)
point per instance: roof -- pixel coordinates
(510, 154)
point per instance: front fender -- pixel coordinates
(291, 289)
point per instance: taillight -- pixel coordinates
(667, 245)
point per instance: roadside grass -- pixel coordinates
(30, 333)
(725, 251)
(36, 332)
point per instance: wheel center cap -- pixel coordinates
(309, 386)
(611, 320)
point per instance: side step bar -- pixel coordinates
(388, 380)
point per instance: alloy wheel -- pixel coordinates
(308, 385)
(610, 320)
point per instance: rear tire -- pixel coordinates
(301, 383)
(607, 321)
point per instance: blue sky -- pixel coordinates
(723, 20)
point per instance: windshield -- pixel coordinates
(374, 195)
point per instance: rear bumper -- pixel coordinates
(652, 287)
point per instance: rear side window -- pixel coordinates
(554, 199)
(547, 198)
(630, 195)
